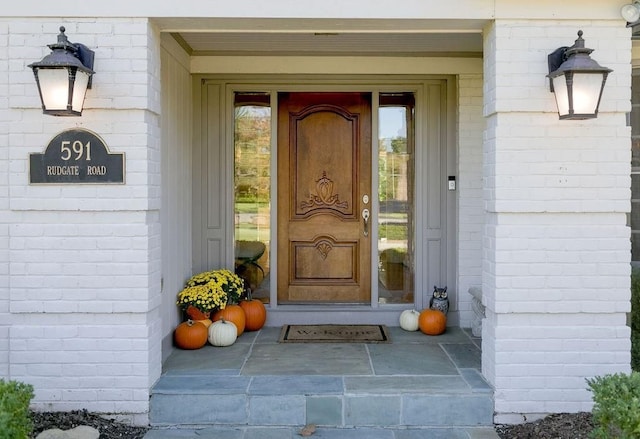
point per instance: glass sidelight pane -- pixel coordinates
(395, 191)
(252, 149)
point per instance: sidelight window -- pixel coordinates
(252, 186)
(395, 191)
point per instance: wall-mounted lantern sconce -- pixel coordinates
(576, 80)
(63, 77)
(631, 12)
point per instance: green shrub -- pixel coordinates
(15, 417)
(635, 319)
(616, 409)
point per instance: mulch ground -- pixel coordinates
(557, 426)
(109, 429)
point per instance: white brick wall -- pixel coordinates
(93, 262)
(470, 206)
(4, 201)
(95, 361)
(83, 261)
(556, 272)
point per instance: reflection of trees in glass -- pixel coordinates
(393, 189)
(395, 229)
(392, 169)
(252, 148)
(252, 177)
(252, 137)
(383, 181)
(399, 145)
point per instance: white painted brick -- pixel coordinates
(544, 272)
(470, 205)
(75, 252)
(50, 395)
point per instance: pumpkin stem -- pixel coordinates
(249, 294)
(190, 322)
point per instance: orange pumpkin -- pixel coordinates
(255, 313)
(432, 321)
(232, 313)
(190, 335)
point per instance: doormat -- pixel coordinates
(334, 334)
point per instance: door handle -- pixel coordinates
(365, 218)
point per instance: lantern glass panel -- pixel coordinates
(586, 92)
(562, 94)
(79, 90)
(54, 86)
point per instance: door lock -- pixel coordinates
(365, 217)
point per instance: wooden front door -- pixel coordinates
(324, 191)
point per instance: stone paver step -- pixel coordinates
(342, 401)
(324, 433)
(414, 383)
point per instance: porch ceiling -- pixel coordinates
(332, 43)
(304, 36)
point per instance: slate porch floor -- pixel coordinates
(415, 387)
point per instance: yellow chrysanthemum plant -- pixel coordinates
(210, 291)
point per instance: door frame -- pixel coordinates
(435, 237)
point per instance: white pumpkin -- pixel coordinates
(223, 333)
(409, 320)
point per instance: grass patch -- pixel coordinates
(394, 232)
(635, 319)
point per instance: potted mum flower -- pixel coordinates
(210, 291)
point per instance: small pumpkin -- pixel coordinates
(222, 333)
(432, 321)
(232, 313)
(190, 335)
(409, 320)
(195, 314)
(205, 322)
(255, 313)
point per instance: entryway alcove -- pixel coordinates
(335, 180)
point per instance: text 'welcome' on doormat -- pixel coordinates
(334, 334)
